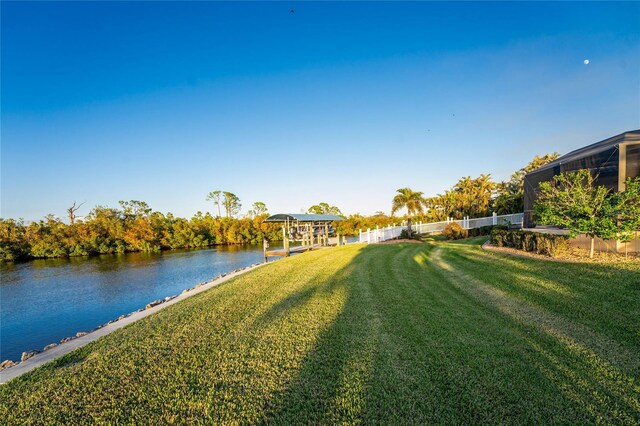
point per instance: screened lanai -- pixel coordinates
(612, 160)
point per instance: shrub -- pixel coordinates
(499, 237)
(550, 245)
(528, 241)
(514, 239)
(404, 234)
(454, 231)
(535, 242)
(483, 230)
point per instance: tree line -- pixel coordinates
(473, 197)
(134, 226)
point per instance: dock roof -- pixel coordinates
(303, 217)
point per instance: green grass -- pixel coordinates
(409, 333)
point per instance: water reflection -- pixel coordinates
(46, 300)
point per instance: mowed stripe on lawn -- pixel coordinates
(405, 333)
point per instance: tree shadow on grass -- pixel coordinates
(407, 347)
(588, 367)
(598, 296)
(315, 396)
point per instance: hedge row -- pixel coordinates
(454, 231)
(536, 242)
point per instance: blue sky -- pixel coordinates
(337, 102)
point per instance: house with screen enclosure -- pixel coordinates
(612, 160)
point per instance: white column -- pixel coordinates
(495, 218)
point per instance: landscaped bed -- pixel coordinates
(569, 255)
(402, 333)
(548, 245)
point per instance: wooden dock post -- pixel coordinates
(326, 234)
(285, 241)
(265, 246)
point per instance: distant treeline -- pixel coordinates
(470, 197)
(135, 227)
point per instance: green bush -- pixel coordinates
(454, 231)
(483, 230)
(498, 237)
(534, 242)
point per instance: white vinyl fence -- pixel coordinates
(389, 233)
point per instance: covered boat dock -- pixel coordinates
(311, 230)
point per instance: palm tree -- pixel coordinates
(408, 198)
(485, 188)
(473, 196)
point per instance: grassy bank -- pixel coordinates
(407, 333)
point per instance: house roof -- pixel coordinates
(630, 136)
(292, 217)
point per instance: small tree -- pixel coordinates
(625, 207)
(258, 209)
(324, 208)
(573, 201)
(231, 203)
(215, 197)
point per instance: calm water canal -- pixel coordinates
(44, 301)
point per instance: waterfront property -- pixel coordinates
(437, 332)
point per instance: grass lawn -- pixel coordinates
(408, 333)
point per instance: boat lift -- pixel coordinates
(311, 230)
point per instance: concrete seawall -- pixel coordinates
(67, 347)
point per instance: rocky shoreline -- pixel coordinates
(29, 354)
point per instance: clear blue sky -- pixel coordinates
(337, 102)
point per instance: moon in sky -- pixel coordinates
(586, 62)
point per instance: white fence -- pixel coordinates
(389, 233)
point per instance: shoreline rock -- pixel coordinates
(26, 355)
(152, 304)
(6, 364)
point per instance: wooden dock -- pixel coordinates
(282, 252)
